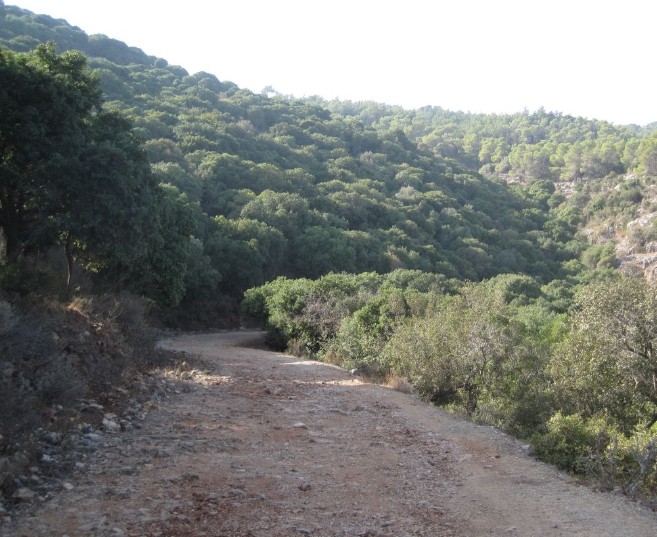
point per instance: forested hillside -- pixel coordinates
(474, 255)
(521, 146)
(289, 187)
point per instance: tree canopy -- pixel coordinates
(75, 175)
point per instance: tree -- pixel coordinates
(46, 101)
(332, 251)
(246, 252)
(289, 213)
(165, 253)
(452, 353)
(75, 175)
(647, 155)
(608, 364)
(105, 212)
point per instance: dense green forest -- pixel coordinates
(496, 262)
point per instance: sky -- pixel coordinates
(591, 58)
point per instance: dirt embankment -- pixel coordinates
(262, 444)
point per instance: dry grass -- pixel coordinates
(399, 383)
(297, 347)
(54, 354)
(330, 357)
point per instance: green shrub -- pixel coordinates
(597, 450)
(626, 462)
(638, 473)
(308, 311)
(570, 440)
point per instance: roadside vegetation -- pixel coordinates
(574, 376)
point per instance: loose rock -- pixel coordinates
(24, 494)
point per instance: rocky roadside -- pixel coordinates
(56, 457)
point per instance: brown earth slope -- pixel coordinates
(262, 444)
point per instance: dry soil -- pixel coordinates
(263, 444)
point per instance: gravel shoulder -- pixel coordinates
(254, 443)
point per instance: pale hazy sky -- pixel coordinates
(595, 58)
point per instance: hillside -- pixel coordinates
(474, 257)
(378, 187)
(604, 171)
(296, 188)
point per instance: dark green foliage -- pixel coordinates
(345, 193)
(46, 100)
(74, 175)
(167, 251)
(246, 252)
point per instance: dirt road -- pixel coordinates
(262, 444)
